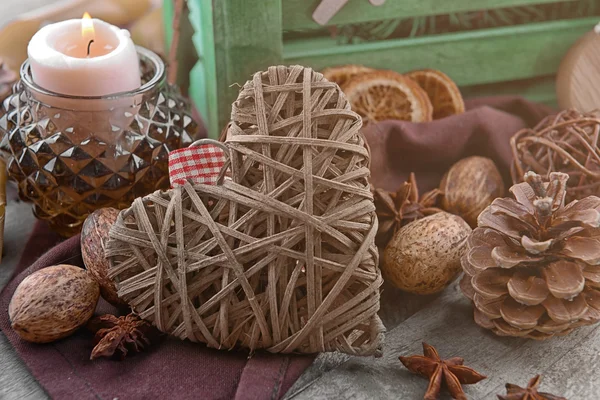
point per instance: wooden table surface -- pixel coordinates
(569, 364)
(15, 380)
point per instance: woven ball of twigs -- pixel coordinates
(566, 142)
(280, 256)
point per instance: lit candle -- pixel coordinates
(84, 57)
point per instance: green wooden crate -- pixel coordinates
(235, 38)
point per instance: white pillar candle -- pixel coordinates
(60, 62)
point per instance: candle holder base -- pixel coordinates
(113, 149)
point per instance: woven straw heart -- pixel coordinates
(281, 256)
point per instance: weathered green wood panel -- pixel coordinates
(168, 22)
(539, 90)
(204, 91)
(470, 58)
(236, 38)
(297, 14)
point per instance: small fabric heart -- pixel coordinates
(196, 164)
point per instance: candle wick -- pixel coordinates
(89, 45)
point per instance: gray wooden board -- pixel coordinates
(17, 383)
(396, 306)
(569, 365)
(15, 380)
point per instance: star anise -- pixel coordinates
(514, 392)
(116, 336)
(452, 371)
(7, 78)
(394, 210)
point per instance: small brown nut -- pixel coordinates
(52, 303)
(423, 257)
(470, 186)
(94, 234)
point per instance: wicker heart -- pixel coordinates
(282, 255)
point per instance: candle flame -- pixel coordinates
(87, 26)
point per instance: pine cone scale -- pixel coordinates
(533, 246)
(591, 273)
(592, 298)
(590, 202)
(551, 327)
(585, 218)
(583, 248)
(491, 283)
(520, 315)
(485, 238)
(507, 257)
(504, 224)
(527, 289)
(489, 308)
(532, 266)
(482, 320)
(524, 195)
(561, 310)
(512, 209)
(465, 285)
(469, 269)
(564, 279)
(479, 259)
(503, 328)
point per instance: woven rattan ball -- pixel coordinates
(566, 142)
(280, 255)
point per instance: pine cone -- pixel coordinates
(532, 264)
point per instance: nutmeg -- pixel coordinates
(94, 234)
(470, 186)
(52, 303)
(423, 257)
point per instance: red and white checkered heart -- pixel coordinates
(196, 164)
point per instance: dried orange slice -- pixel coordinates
(442, 91)
(382, 95)
(344, 73)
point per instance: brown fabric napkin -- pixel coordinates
(172, 369)
(429, 149)
(182, 370)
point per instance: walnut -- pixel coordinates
(52, 303)
(470, 186)
(424, 256)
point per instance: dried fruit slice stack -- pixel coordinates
(441, 90)
(382, 95)
(532, 264)
(418, 96)
(344, 73)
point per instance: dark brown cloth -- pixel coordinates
(182, 370)
(172, 369)
(429, 149)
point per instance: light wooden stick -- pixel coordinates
(327, 9)
(172, 58)
(2, 203)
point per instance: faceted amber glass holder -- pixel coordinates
(72, 155)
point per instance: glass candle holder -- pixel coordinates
(72, 155)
